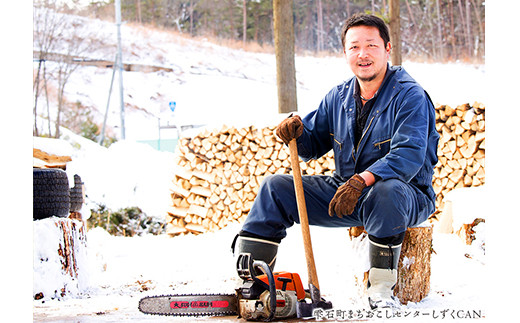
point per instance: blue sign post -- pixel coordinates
(172, 105)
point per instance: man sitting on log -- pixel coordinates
(381, 126)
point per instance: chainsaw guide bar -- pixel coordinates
(262, 297)
(190, 305)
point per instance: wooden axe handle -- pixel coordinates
(302, 211)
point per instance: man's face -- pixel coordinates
(366, 53)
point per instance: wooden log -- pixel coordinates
(470, 149)
(41, 159)
(177, 211)
(174, 230)
(467, 233)
(197, 210)
(449, 111)
(180, 190)
(456, 175)
(445, 218)
(61, 246)
(183, 172)
(200, 190)
(413, 283)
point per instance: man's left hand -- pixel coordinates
(346, 197)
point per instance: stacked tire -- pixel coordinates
(76, 194)
(51, 195)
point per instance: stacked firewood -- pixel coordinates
(461, 150)
(218, 172)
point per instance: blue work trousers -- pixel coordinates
(385, 209)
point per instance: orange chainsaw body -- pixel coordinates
(292, 281)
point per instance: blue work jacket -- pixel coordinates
(399, 140)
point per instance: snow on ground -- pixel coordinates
(121, 270)
(214, 85)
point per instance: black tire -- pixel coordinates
(51, 195)
(76, 194)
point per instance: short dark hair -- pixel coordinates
(362, 19)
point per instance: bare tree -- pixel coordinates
(138, 5)
(244, 23)
(452, 37)
(395, 32)
(464, 26)
(481, 34)
(320, 32)
(66, 65)
(440, 41)
(60, 39)
(191, 17)
(47, 26)
(284, 52)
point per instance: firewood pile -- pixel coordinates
(218, 172)
(461, 150)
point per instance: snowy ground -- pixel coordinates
(121, 268)
(215, 85)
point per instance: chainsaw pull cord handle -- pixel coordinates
(246, 270)
(272, 286)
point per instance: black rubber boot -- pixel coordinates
(382, 276)
(259, 248)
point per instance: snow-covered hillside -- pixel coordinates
(214, 85)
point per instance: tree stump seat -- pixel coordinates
(414, 269)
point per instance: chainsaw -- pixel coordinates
(263, 296)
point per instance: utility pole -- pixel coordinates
(120, 66)
(102, 138)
